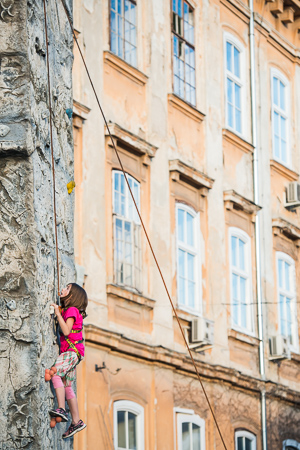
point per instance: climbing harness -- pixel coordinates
(72, 344)
(137, 209)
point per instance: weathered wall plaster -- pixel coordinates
(27, 251)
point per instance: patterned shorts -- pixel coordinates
(66, 367)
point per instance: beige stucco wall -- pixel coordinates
(141, 103)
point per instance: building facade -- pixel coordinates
(203, 104)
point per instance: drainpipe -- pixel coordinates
(257, 227)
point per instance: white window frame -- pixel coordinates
(286, 114)
(290, 443)
(135, 231)
(286, 258)
(194, 250)
(240, 234)
(246, 434)
(241, 81)
(123, 32)
(135, 408)
(187, 415)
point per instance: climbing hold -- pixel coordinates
(51, 310)
(58, 419)
(69, 113)
(70, 186)
(52, 422)
(47, 375)
(54, 369)
(51, 373)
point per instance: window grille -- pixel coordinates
(184, 51)
(233, 87)
(123, 30)
(127, 232)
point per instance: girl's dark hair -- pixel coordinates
(77, 297)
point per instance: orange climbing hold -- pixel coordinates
(47, 375)
(52, 422)
(51, 373)
(54, 369)
(58, 419)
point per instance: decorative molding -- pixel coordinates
(131, 142)
(182, 171)
(275, 38)
(80, 110)
(129, 295)
(124, 68)
(238, 8)
(237, 141)
(282, 227)
(170, 359)
(289, 174)
(184, 107)
(236, 201)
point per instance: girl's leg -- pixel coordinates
(72, 402)
(59, 391)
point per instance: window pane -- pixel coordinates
(196, 437)
(248, 444)
(113, 4)
(238, 120)
(113, 22)
(282, 99)
(275, 91)
(186, 436)
(119, 6)
(276, 134)
(280, 273)
(237, 92)
(242, 255)
(236, 62)
(282, 316)
(235, 299)
(240, 445)
(132, 431)
(180, 224)
(181, 267)
(229, 56)
(190, 229)
(243, 302)
(234, 251)
(230, 102)
(287, 276)
(121, 429)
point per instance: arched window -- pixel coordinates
(245, 440)
(240, 280)
(188, 258)
(290, 444)
(128, 425)
(234, 83)
(127, 231)
(190, 430)
(286, 288)
(280, 107)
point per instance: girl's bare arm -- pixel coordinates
(65, 327)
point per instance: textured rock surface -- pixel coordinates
(27, 252)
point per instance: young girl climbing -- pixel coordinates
(70, 318)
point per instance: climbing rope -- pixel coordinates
(140, 217)
(51, 144)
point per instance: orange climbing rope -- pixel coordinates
(51, 144)
(142, 223)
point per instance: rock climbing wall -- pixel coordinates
(27, 249)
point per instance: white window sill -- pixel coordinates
(243, 336)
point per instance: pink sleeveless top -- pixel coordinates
(73, 337)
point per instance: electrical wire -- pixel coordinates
(143, 226)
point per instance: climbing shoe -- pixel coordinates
(59, 412)
(74, 429)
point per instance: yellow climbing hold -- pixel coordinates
(70, 186)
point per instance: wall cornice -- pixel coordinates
(181, 362)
